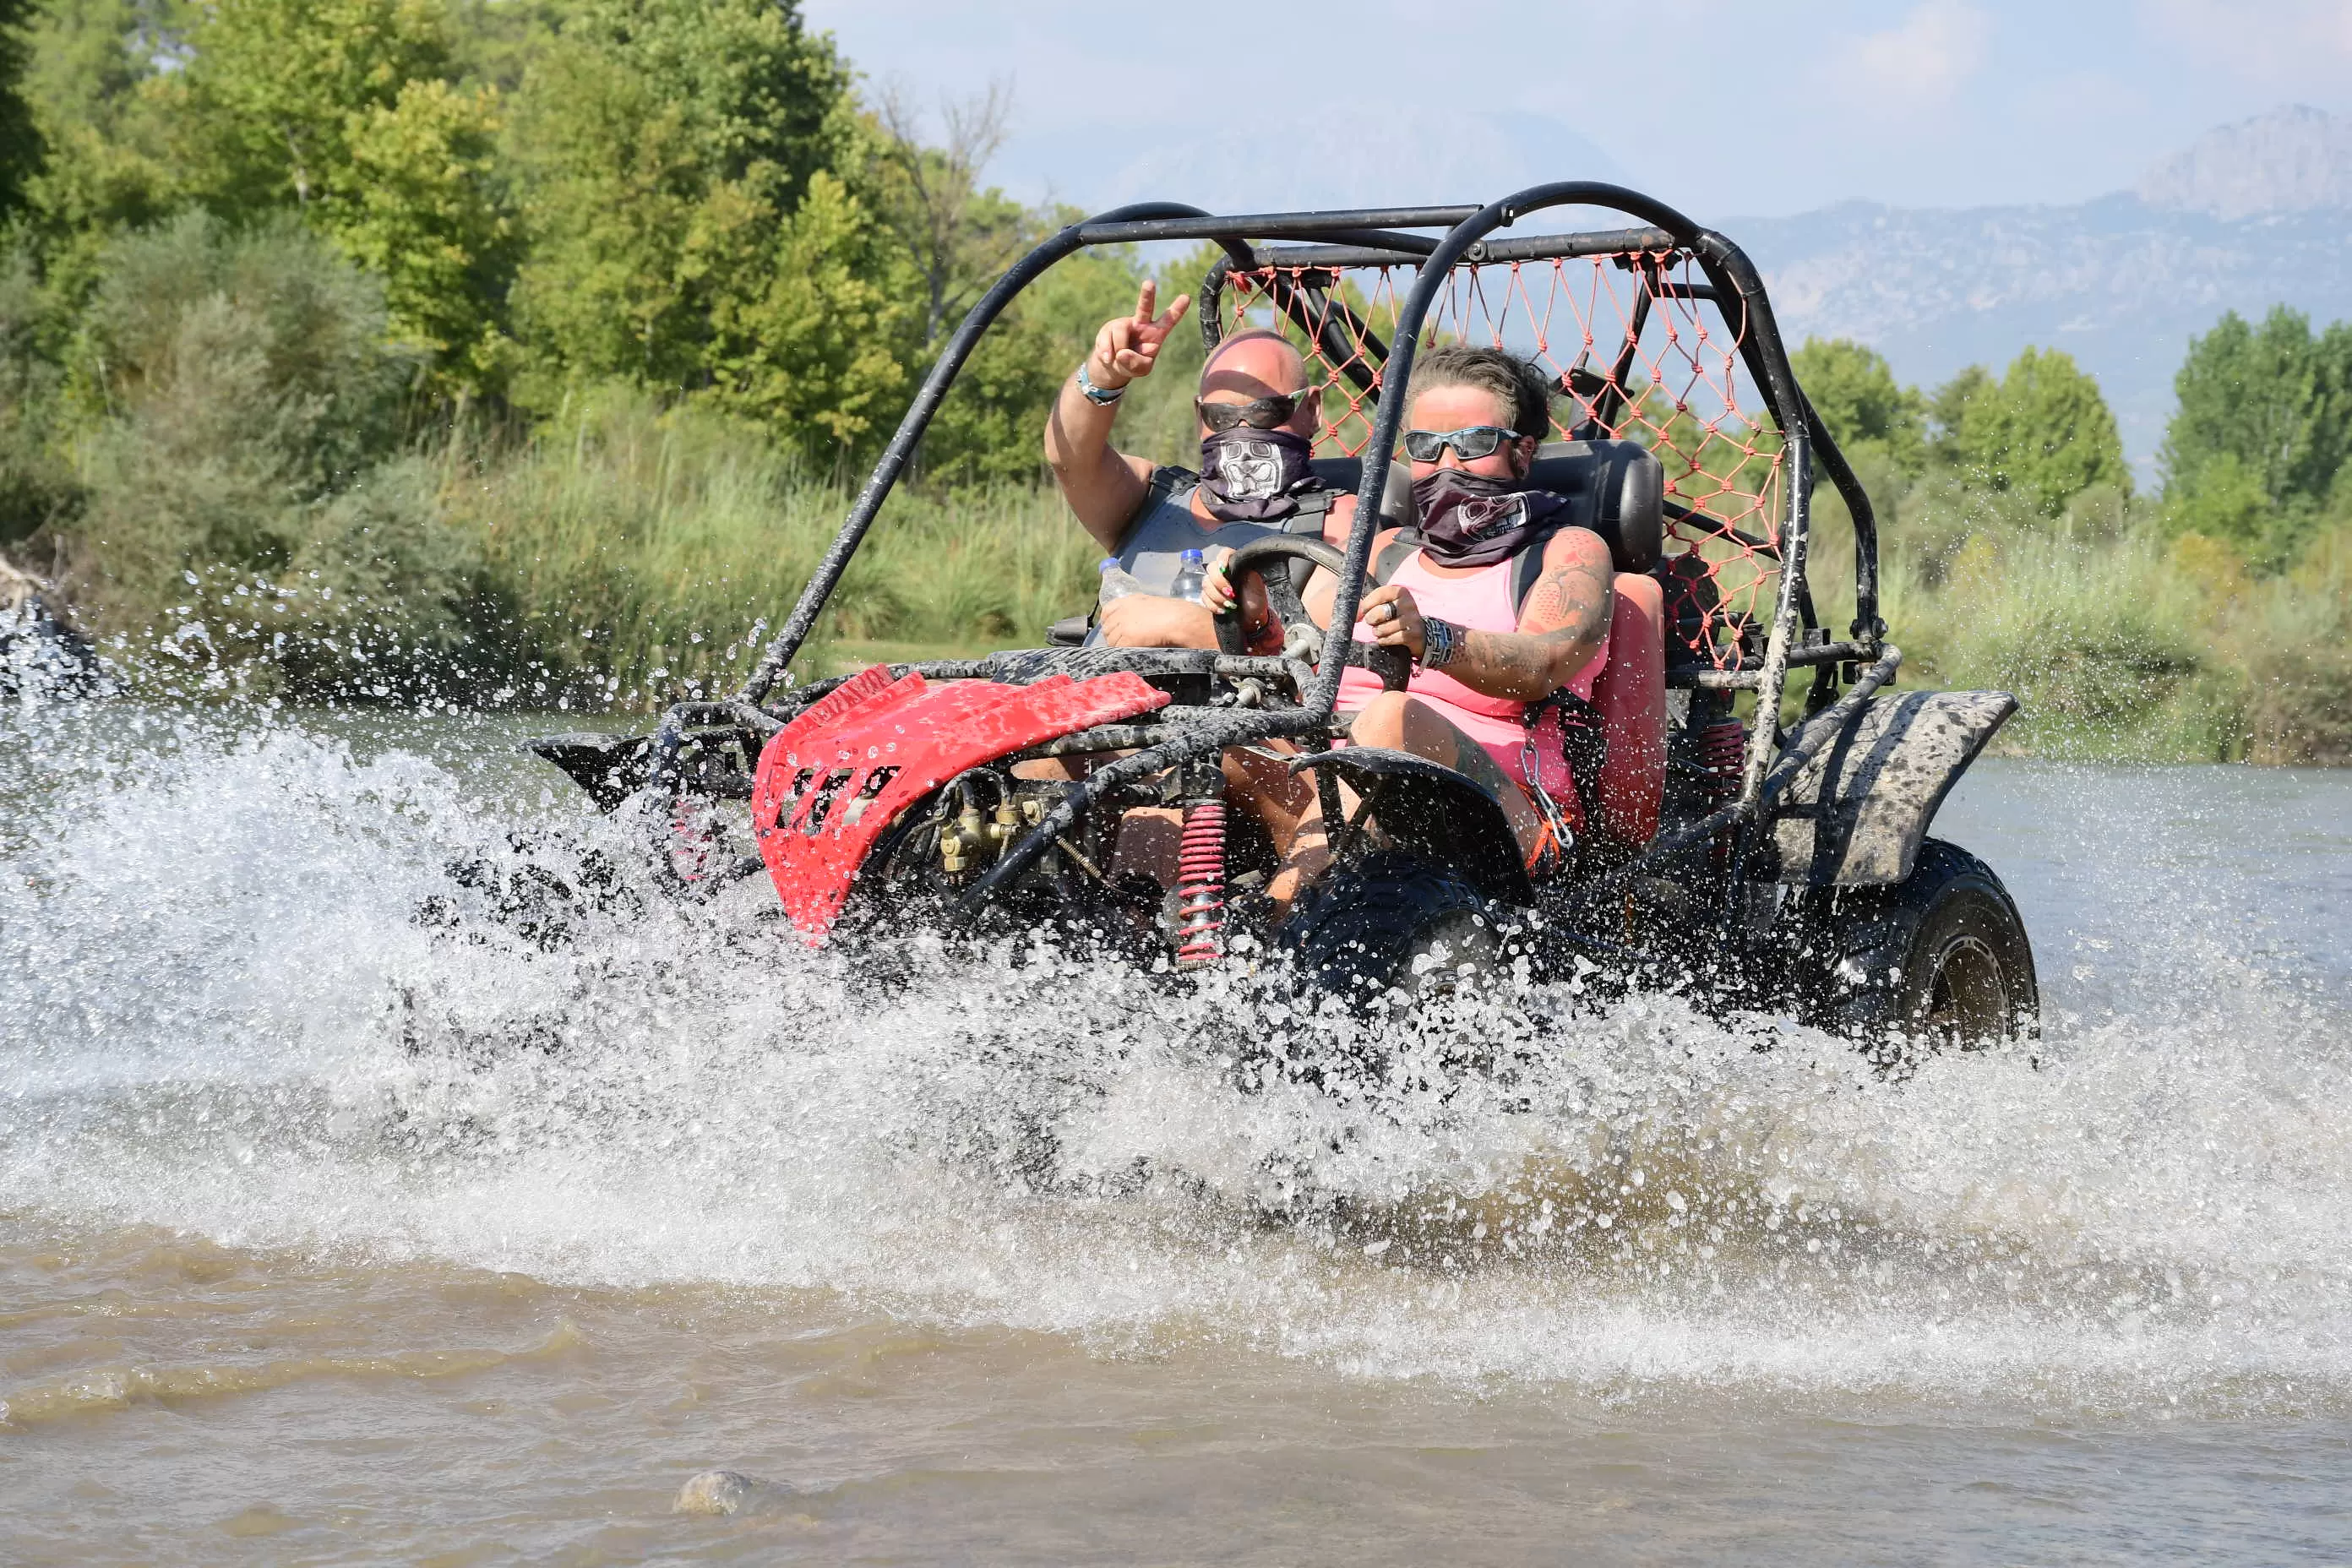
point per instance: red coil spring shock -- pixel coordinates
(1722, 752)
(1201, 884)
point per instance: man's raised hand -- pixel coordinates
(1127, 346)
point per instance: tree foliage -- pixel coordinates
(687, 197)
(346, 111)
(2043, 430)
(95, 86)
(1854, 391)
(2261, 436)
(666, 151)
(20, 135)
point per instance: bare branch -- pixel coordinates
(936, 222)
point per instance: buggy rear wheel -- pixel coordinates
(1392, 921)
(1939, 962)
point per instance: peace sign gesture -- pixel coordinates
(1127, 346)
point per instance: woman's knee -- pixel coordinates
(1386, 720)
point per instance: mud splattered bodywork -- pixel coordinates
(1855, 814)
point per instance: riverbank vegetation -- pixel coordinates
(529, 351)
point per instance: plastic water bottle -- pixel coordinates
(1118, 583)
(1191, 568)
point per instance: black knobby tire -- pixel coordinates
(1940, 961)
(1365, 927)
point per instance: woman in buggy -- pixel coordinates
(1502, 604)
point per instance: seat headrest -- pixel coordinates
(1616, 489)
(1348, 474)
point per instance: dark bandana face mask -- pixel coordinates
(1472, 519)
(1254, 476)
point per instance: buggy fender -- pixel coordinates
(1434, 811)
(611, 768)
(1854, 815)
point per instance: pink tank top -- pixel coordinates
(1477, 601)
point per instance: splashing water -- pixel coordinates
(225, 1017)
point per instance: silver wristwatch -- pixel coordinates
(1440, 640)
(1096, 394)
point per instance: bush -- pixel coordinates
(263, 341)
(2297, 641)
(224, 381)
(36, 485)
(390, 594)
(245, 501)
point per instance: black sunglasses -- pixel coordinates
(1263, 414)
(1475, 442)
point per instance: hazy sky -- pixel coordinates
(1725, 107)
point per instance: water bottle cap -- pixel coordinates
(1192, 558)
(1108, 564)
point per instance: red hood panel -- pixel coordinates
(833, 778)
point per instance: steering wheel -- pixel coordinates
(1392, 665)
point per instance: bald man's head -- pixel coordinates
(1259, 363)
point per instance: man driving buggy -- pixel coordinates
(1257, 413)
(1486, 664)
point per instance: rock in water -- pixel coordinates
(41, 655)
(720, 1491)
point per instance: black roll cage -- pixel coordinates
(1378, 236)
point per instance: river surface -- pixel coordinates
(327, 1234)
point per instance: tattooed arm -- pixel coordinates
(1561, 625)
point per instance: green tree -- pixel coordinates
(680, 237)
(2043, 430)
(1854, 391)
(2263, 430)
(20, 136)
(344, 109)
(424, 212)
(992, 423)
(276, 88)
(805, 339)
(37, 484)
(102, 107)
(1947, 407)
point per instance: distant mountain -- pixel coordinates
(2252, 215)
(2295, 159)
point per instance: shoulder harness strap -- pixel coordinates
(1168, 481)
(1314, 506)
(1525, 567)
(1395, 554)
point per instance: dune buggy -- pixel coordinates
(1768, 842)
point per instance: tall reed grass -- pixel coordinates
(634, 552)
(651, 548)
(2122, 640)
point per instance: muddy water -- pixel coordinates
(326, 1235)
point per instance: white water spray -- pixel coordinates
(222, 1014)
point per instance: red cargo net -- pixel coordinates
(1638, 349)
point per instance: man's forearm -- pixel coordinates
(1152, 620)
(1103, 491)
(1078, 434)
